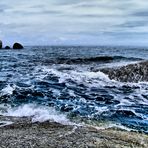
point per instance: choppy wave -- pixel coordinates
(100, 59)
(90, 95)
(71, 88)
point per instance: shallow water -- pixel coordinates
(42, 79)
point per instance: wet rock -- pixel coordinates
(131, 73)
(17, 46)
(7, 47)
(50, 134)
(1, 44)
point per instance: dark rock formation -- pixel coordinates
(130, 73)
(1, 44)
(7, 47)
(17, 46)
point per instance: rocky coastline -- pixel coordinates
(131, 73)
(15, 46)
(23, 133)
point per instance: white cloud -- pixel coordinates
(74, 21)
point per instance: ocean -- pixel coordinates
(64, 84)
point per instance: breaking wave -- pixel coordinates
(37, 113)
(31, 85)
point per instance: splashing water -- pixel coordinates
(36, 83)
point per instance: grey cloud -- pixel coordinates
(1, 10)
(122, 36)
(3, 7)
(85, 33)
(79, 18)
(132, 24)
(37, 6)
(37, 12)
(141, 13)
(89, 16)
(12, 26)
(67, 2)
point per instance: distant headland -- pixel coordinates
(15, 46)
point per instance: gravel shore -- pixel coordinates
(24, 134)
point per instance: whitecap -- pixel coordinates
(8, 90)
(37, 113)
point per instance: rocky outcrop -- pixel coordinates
(23, 133)
(1, 44)
(7, 47)
(131, 73)
(17, 46)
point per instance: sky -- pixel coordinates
(74, 22)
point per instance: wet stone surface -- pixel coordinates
(23, 133)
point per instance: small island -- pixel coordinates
(15, 46)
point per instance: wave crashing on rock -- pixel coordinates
(131, 73)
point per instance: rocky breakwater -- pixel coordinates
(15, 46)
(131, 73)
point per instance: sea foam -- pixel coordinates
(8, 90)
(37, 113)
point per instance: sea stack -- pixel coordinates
(17, 46)
(1, 44)
(7, 47)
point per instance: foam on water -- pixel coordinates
(36, 77)
(37, 113)
(88, 78)
(79, 76)
(8, 90)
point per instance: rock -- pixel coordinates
(14, 133)
(131, 73)
(17, 46)
(1, 44)
(7, 47)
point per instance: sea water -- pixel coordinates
(58, 83)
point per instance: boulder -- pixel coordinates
(137, 72)
(1, 44)
(17, 46)
(7, 47)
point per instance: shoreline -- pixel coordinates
(23, 133)
(45, 84)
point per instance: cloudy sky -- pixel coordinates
(74, 22)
